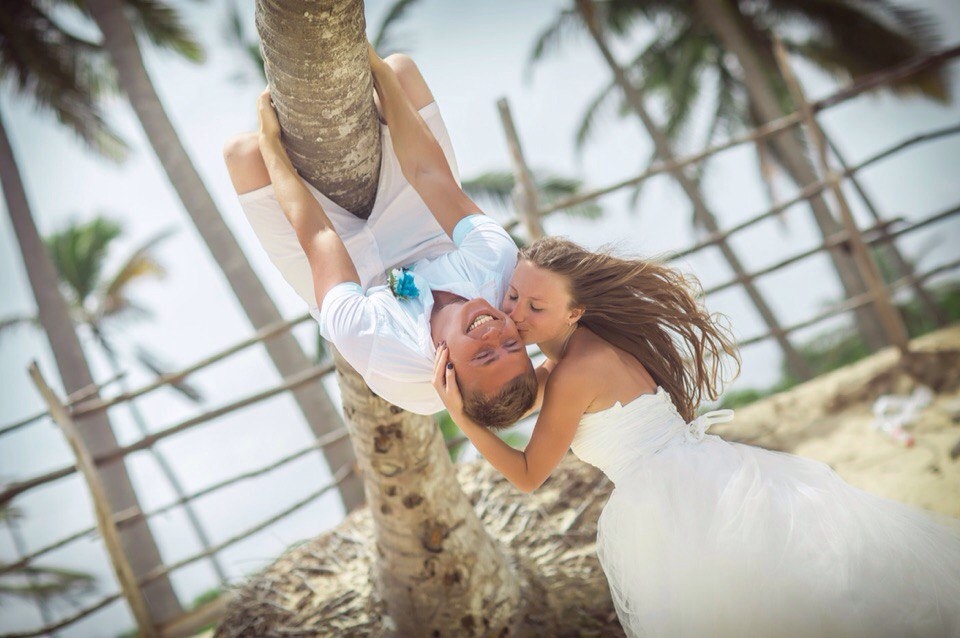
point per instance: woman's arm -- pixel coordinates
(566, 398)
(422, 161)
(330, 262)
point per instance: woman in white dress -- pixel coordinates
(702, 537)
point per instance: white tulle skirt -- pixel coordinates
(724, 539)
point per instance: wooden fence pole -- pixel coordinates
(108, 531)
(524, 191)
(928, 304)
(890, 318)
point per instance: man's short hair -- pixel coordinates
(506, 407)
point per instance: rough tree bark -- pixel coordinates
(316, 64)
(438, 572)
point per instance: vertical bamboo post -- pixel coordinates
(525, 191)
(105, 525)
(890, 318)
(903, 267)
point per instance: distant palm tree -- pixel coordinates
(63, 73)
(43, 583)
(101, 302)
(118, 27)
(843, 38)
(730, 43)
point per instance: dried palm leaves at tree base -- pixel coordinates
(325, 584)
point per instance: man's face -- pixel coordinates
(485, 348)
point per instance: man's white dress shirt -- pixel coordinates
(387, 340)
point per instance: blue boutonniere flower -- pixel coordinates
(401, 284)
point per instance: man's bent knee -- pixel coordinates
(241, 147)
(410, 78)
(244, 162)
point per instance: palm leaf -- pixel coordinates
(497, 187)
(637, 190)
(60, 72)
(153, 363)
(850, 39)
(552, 37)
(78, 253)
(112, 297)
(10, 513)
(163, 26)
(47, 582)
(597, 108)
(15, 321)
(493, 186)
(554, 187)
(385, 41)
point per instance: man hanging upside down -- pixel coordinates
(458, 261)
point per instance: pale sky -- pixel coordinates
(471, 54)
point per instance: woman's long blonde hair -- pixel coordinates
(651, 311)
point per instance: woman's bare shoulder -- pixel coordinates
(586, 361)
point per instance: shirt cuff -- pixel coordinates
(468, 223)
(343, 289)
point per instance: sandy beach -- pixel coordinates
(829, 419)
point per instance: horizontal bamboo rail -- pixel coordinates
(14, 489)
(338, 477)
(761, 132)
(836, 239)
(67, 621)
(855, 302)
(261, 335)
(812, 189)
(72, 399)
(125, 517)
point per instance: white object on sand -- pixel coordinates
(893, 413)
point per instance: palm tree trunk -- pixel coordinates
(343, 161)
(438, 570)
(439, 573)
(161, 460)
(98, 436)
(796, 365)
(284, 350)
(723, 17)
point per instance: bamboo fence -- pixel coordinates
(64, 411)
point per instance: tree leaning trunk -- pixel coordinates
(98, 437)
(723, 18)
(284, 350)
(439, 573)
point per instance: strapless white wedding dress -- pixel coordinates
(703, 537)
